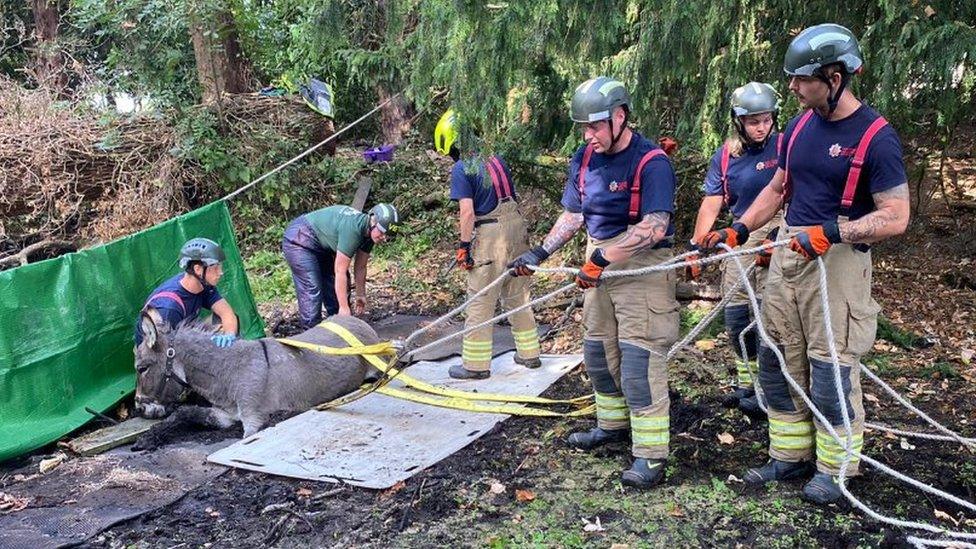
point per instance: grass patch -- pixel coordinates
(691, 317)
(269, 276)
(940, 370)
(902, 338)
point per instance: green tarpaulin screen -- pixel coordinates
(66, 325)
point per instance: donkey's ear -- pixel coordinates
(150, 337)
(154, 315)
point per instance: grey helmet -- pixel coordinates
(822, 45)
(387, 219)
(754, 98)
(203, 250)
(596, 98)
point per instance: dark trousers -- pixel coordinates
(312, 271)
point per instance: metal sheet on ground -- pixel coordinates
(84, 496)
(379, 440)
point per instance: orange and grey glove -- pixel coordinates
(693, 270)
(766, 254)
(815, 241)
(590, 272)
(732, 236)
(520, 267)
(464, 259)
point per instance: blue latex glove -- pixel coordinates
(223, 340)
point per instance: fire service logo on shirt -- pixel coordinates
(762, 165)
(618, 186)
(836, 150)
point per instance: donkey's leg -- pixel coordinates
(253, 419)
(169, 429)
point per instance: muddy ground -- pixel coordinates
(520, 485)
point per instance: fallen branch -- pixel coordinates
(20, 258)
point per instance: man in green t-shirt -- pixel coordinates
(320, 245)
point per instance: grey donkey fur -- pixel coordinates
(248, 381)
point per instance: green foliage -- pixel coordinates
(903, 338)
(940, 370)
(691, 317)
(510, 67)
(269, 276)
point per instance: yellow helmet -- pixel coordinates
(445, 133)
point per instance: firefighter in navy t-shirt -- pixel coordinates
(488, 206)
(183, 295)
(843, 179)
(621, 187)
(739, 170)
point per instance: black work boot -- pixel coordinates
(595, 437)
(458, 371)
(732, 399)
(822, 489)
(778, 470)
(530, 363)
(643, 473)
(750, 407)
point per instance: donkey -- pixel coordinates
(248, 381)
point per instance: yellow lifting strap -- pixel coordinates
(468, 405)
(372, 352)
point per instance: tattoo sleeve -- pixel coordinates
(566, 226)
(889, 219)
(651, 230)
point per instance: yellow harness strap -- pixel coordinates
(449, 398)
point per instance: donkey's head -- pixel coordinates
(160, 380)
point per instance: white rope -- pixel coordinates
(967, 442)
(916, 434)
(705, 321)
(673, 263)
(488, 322)
(922, 543)
(850, 454)
(309, 150)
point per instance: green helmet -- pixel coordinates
(203, 250)
(822, 45)
(754, 98)
(387, 219)
(595, 99)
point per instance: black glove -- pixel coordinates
(520, 267)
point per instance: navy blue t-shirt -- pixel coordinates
(607, 189)
(747, 175)
(821, 157)
(170, 309)
(478, 185)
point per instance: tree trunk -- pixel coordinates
(48, 60)
(221, 65)
(394, 117)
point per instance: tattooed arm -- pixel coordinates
(890, 218)
(645, 234)
(562, 232)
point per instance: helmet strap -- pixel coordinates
(615, 138)
(201, 278)
(833, 97)
(740, 128)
